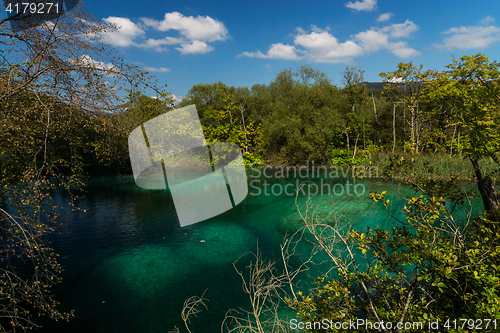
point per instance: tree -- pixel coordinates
(260, 102)
(303, 118)
(140, 108)
(59, 87)
(411, 77)
(391, 91)
(228, 124)
(204, 96)
(469, 89)
(354, 92)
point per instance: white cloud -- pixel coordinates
(366, 5)
(87, 61)
(203, 28)
(156, 44)
(157, 70)
(396, 80)
(193, 33)
(401, 50)
(280, 51)
(401, 29)
(177, 98)
(276, 51)
(384, 17)
(125, 35)
(487, 20)
(373, 40)
(315, 29)
(151, 42)
(268, 66)
(322, 47)
(196, 46)
(301, 31)
(470, 37)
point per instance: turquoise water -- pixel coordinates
(129, 266)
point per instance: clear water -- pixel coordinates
(129, 266)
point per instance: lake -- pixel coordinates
(129, 266)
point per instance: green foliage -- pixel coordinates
(469, 89)
(432, 166)
(303, 117)
(432, 265)
(60, 86)
(411, 77)
(226, 126)
(343, 158)
(417, 271)
(142, 108)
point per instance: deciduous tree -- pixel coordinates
(59, 86)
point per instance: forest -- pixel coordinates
(62, 121)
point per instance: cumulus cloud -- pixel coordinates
(487, 20)
(373, 40)
(157, 70)
(401, 29)
(125, 35)
(384, 17)
(322, 47)
(276, 51)
(401, 49)
(470, 37)
(157, 44)
(203, 28)
(196, 46)
(366, 5)
(193, 33)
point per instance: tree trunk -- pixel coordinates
(404, 122)
(489, 193)
(453, 138)
(458, 144)
(394, 128)
(364, 141)
(376, 122)
(417, 129)
(412, 129)
(242, 109)
(355, 147)
(347, 136)
(404, 128)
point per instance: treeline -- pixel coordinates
(303, 116)
(300, 116)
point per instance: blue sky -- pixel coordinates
(242, 43)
